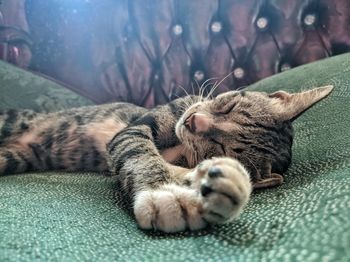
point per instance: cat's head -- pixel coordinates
(244, 124)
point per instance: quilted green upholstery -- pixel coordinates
(21, 89)
(71, 217)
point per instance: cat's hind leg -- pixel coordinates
(15, 159)
(14, 156)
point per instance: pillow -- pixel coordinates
(21, 89)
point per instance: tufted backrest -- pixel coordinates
(149, 52)
(15, 41)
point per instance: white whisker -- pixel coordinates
(217, 84)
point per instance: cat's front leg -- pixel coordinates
(219, 190)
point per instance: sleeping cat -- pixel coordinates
(183, 165)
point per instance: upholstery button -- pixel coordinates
(199, 75)
(238, 73)
(262, 23)
(177, 29)
(309, 19)
(216, 27)
(285, 66)
(156, 77)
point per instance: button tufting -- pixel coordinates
(285, 66)
(310, 19)
(216, 27)
(284, 35)
(199, 75)
(262, 23)
(177, 29)
(238, 73)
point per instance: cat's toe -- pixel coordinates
(169, 209)
(225, 188)
(221, 188)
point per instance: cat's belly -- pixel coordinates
(103, 132)
(61, 143)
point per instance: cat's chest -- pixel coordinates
(175, 154)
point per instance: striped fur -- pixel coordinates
(150, 150)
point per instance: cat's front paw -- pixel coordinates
(225, 188)
(220, 189)
(170, 209)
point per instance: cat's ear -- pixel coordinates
(291, 106)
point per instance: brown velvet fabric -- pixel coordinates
(147, 51)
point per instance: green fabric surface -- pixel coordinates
(21, 89)
(74, 217)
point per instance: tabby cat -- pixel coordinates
(183, 165)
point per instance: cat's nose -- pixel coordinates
(197, 123)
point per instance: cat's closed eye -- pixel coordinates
(227, 109)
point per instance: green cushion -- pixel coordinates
(23, 90)
(59, 216)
